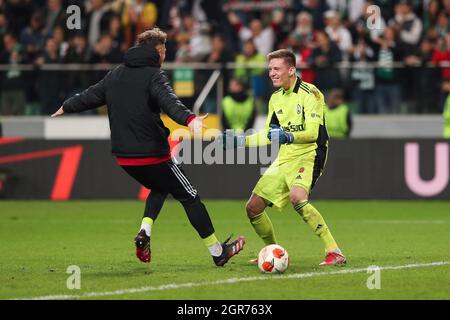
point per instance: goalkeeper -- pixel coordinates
(296, 120)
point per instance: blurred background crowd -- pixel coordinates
(394, 62)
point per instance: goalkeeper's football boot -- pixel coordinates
(334, 258)
(142, 242)
(229, 250)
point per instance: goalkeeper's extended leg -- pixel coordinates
(299, 199)
(260, 221)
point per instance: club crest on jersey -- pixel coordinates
(299, 108)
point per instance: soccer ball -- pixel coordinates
(273, 258)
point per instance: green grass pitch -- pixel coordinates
(39, 240)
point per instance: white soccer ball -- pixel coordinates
(273, 258)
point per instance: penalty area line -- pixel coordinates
(229, 281)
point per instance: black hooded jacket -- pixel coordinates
(135, 93)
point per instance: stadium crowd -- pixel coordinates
(324, 34)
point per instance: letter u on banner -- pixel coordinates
(440, 180)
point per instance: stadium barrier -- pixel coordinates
(356, 169)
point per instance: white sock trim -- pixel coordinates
(215, 249)
(147, 228)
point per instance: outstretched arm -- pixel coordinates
(260, 138)
(91, 98)
(168, 101)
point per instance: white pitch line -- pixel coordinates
(401, 221)
(229, 281)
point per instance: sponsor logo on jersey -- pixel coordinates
(293, 127)
(299, 109)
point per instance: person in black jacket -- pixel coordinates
(135, 93)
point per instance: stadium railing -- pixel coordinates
(207, 80)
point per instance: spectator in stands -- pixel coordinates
(104, 52)
(18, 13)
(219, 51)
(117, 33)
(360, 33)
(431, 15)
(249, 55)
(252, 76)
(387, 87)
(339, 117)
(348, 10)
(424, 97)
(59, 36)
(446, 4)
(77, 52)
(316, 8)
(49, 82)
(138, 16)
(324, 57)
(3, 28)
(12, 94)
(441, 56)
(239, 108)
(51, 53)
(97, 21)
(281, 26)
(338, 33)
(300, 41)
(54, 15)
(194, 40)
(443, 25)
(219, 54)
(173, 29)
(263, 37)
(363, 77)
(407, 25)
(182, 53)
(194, 20)
(302, 51)
(32, 38)
(304, 31)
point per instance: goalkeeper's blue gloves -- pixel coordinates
(229, 140)
(277, 133)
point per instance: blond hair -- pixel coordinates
(287, 55)
(154, 36)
